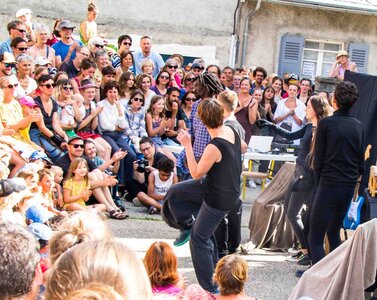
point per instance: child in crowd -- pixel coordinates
(46, 182)
(156, 124)
(77, 188)
(231, 276)
(162, 269)
(58, 189)
(160, 181)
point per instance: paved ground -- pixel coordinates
(271, 274)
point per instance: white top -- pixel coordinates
(109, 118)
(300, 110)
(21, 92)
(148, 99)
(162, 187)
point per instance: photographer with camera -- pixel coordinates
(138, 187)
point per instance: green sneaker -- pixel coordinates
(183, 238)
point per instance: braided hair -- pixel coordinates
(210, 83)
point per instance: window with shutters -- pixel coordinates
(318, 58)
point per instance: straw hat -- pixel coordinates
(342, 53)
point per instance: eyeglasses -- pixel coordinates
(11, 86)
(127, 44)
(49, 85)
(99, 46)
(23, 48)
(86, 55)
(164, 77)
(67, 88)
(20, 30)
(145, 149)
(190, 99)
(9, 65)
(173, 67)
(76, 146)
(138, 99)
(190, 79)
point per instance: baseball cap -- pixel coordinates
(23, 11)
(40, 231)
(8, 58)
(72, 138)
(28, 101)
(39, 155)
(65, 24)
(196, 66)
(10, 186)
(41, 61)
(37, 214)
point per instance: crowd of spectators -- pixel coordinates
(86, 125)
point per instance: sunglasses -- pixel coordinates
(164, 77)
(9, 65)
(99, 46)
(127, 44)
(138, 99)
(190, 99)
(20, 30)
(191, 79)
(49, 85)
(76, 146)
(173, 67)
(22, 49)
(67, 88)
(11, 86)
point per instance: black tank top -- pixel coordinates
(223, 179)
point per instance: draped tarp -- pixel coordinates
(365, 110)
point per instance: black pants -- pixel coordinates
(182, 204)
(327, 213)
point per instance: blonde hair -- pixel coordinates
(79, 227)
(56, 170)
(231, 274)
(74, 165)
(107, 263)
(94, 291)
(228, 99)
(147, 62)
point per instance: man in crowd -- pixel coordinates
(72, 67)
(15, 28)
(7, 64)
(147, 53)
(259, 75)
(173, 112)
(197, 69)
(20, 271)
(138, 188)
(65, 49)
(229, 73)
(99, 181)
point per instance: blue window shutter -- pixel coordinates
(359, 54)
(291, 51)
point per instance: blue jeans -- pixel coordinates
(116, 141)
(203, 245)
(52, 151)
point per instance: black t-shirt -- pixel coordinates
(46, 117)
(69, 68)
(65, 161)
(169, 114)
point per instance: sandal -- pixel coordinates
(152, 210)
(118, 215)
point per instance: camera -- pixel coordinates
(142, 163)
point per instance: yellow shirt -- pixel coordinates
(10, 114)
(76, 187)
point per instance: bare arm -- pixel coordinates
(57, 128)
(151, 182)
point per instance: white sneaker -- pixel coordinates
(251, 184)
(137, 202)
